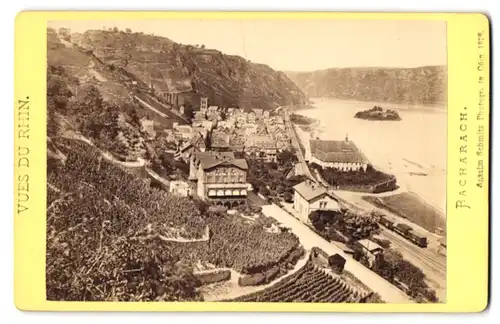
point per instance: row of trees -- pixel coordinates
(336, 177)
(343, 226)
(396, 269)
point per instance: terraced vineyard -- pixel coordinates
(309, 284)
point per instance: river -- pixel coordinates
(416, 144)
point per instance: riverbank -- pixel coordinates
(416, 157)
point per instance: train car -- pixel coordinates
(385, 221)
(411, 235)
(402, 229)
(417, 238)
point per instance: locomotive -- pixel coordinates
(404, 230)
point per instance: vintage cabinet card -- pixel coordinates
(312, 162)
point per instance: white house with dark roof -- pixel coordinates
(341, 155)
(310, 196)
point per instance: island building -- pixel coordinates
(220, 178)
(341, 155)
(310, 196)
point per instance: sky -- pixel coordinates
(301, 45)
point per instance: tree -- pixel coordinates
(115, 29)
(203, 46)
(288, 197)
(264, 191)
(128, 30)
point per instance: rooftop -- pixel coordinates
(369, 245)
(263, 141)
(212, 159)
(310, 190)
(220, 139)
(336, 151)
(257, 112)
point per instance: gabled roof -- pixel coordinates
(369, 245)
(336, 151)
(211, 159)
(257, 111)
(311, 190)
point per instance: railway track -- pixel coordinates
(432, 261)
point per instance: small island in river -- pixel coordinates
(378, 113)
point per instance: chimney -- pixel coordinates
(346, 137)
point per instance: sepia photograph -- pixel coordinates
(253, 160)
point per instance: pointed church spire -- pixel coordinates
(347, 137)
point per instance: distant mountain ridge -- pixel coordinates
(227, 80)
(421, 85)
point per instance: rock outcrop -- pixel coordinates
(193, 71)
(422, 85)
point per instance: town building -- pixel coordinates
(219, 141)
(200, 115)
(310, 196)
(212, 109)
(280, 137)
(251, 117)
(182, 132)
(209, 125)
(180, 188)
(261, 147)
(201, 130)
(148, 126)
(237, 142)
(231, 111)
(220, 177)
(250, 129)
(227, 124)
(241, 119)
(370, 250)
(258, 113)
(341, 155)
(261, 129)
(196, 144)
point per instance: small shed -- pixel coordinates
(371, 250)
(335, 261)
